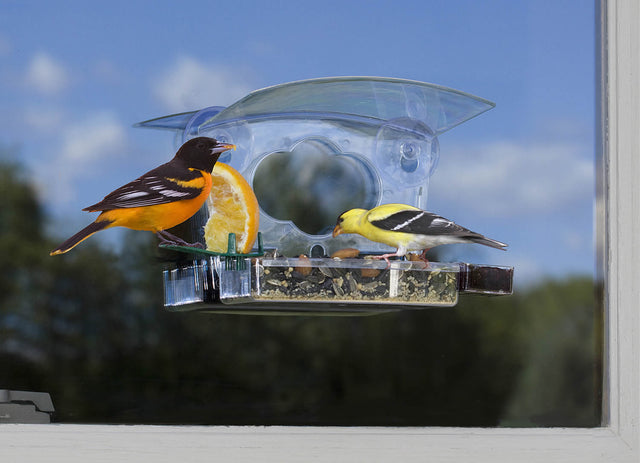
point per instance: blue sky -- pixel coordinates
(75, 76)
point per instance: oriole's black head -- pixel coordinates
(202, 152)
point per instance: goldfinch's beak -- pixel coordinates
(337, 230)
(221, 147)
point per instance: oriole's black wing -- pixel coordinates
(165, 184)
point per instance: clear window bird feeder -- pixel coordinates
(311, 150)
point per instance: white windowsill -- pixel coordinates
(238, 444)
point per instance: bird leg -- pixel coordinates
(423, 255)
(421, 258)
(386, 257)
(172, 240)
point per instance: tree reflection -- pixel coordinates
(89, 328)
(326, 183)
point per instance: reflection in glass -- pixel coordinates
(326, 183)
(90, 330)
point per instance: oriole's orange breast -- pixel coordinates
(160, 216)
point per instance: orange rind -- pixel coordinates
(233, 208)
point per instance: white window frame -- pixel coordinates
(617, 441)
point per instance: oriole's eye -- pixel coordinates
(201, 146)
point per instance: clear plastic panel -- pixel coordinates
(382, 99)
(361, 281)
(313, 149)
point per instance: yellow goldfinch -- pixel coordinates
(407, 228)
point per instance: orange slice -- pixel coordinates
(233, 208)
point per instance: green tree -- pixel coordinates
(89, 328)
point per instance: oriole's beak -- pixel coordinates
(337, 230)
(221, 147)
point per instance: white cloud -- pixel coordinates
(190, 84)
(507, 178)
(46, 75)
(84, 147)
(94, 138)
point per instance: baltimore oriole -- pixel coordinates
(162, 198)
(407, 228)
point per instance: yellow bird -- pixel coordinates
(407, 228)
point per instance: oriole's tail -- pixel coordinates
(80, 236)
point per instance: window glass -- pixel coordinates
(89, 327)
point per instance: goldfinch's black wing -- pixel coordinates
(419, 222)
(165, 184)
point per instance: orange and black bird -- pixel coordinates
(162, 198)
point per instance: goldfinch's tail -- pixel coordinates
(80, 236)
(489, 242)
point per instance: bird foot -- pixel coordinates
(169, 239)
(421, 258)
(386, 258)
